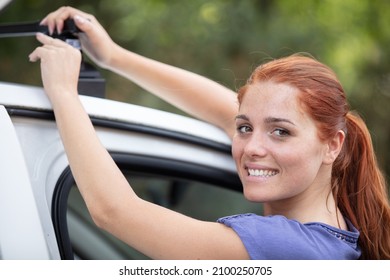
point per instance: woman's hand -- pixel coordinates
(194, 94)
(60, 66)
(95, 41)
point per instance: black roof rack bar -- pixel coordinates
(22, 29)
(31, 28)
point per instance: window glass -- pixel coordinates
(193, 198)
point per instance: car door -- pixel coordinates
(21, 234)
(181, 171)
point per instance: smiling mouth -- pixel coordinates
(262, 172)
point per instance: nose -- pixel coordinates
(255, 146)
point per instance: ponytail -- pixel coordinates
(360, 190)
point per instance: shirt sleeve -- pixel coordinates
(279, 238)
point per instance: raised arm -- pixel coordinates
(192, 93)
(157, 232)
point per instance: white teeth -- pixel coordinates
(261, 172)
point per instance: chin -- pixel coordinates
(254, 196)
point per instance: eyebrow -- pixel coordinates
(267, 120)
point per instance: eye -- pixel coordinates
(242, 129)
(280, 132)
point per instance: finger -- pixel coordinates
(83, 23)
(47, 40)
(55, 20)
(35, 55)
(41, 52)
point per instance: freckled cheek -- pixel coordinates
(296, 162)
(286, 158)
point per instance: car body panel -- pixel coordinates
(19, 215)
(35, 98)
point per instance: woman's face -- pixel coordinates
(276, 148)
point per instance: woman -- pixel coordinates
(297, 147)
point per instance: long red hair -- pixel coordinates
(357, 182)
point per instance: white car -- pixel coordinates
(172, 160)
(175, 161)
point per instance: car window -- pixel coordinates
(193, 190)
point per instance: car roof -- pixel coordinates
(33, 98)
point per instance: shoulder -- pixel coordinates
(276, 237)
(252, 222)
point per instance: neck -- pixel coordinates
(319, 207)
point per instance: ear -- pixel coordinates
(334, 147)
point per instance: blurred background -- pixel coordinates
(226, 39)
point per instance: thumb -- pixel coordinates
(83, 23)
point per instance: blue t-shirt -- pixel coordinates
(278, 238)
